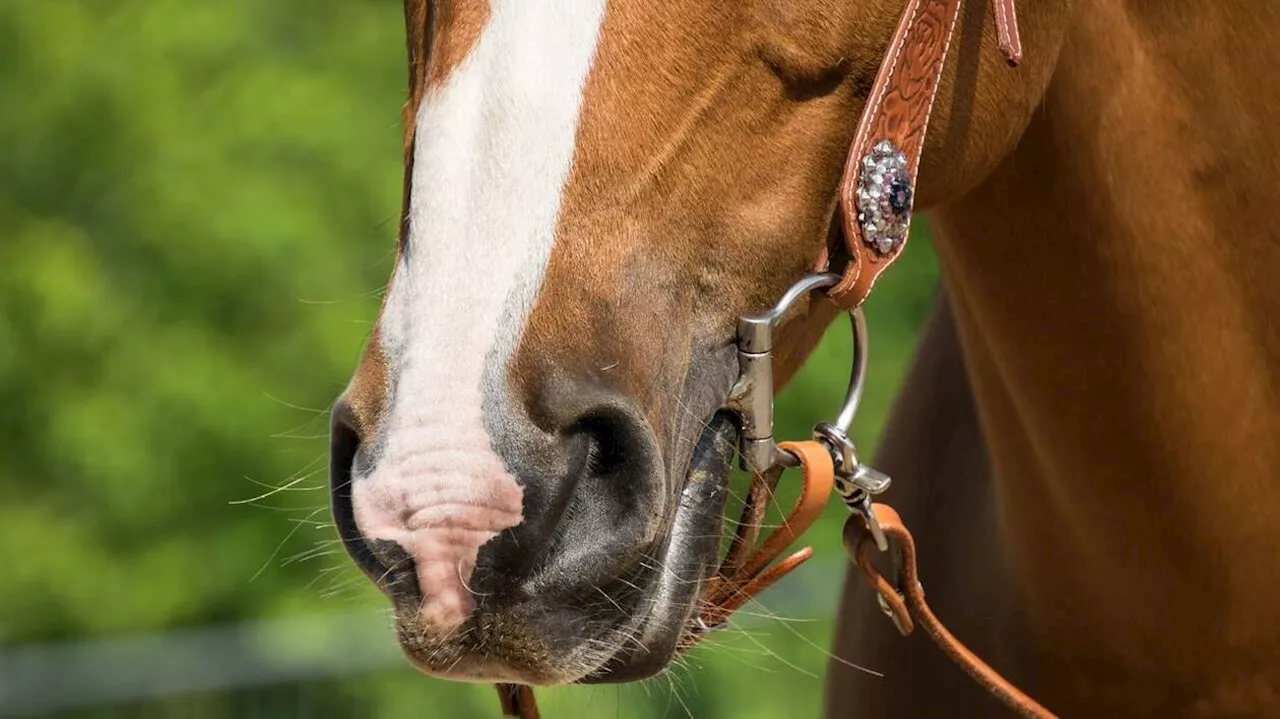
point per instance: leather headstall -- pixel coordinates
(878, 187)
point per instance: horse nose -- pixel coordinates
(586, 476)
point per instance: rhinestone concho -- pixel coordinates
(884, 198)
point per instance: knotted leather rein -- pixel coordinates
(877, 190)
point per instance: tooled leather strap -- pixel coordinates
(905, 604)
(877, 189)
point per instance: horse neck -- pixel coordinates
(1114, 286)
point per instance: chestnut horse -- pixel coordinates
(530, 460)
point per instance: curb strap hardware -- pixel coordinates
(752, 396)
(828, 462)
(752, 400)
(856, 483)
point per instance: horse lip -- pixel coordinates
(693, 547)
(647, 642)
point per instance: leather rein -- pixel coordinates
(876, 193)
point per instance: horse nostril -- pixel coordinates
(610, 440)
(344, 445)
(603, 509)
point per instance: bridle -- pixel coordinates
(876, 193)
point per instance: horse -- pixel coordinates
(531, 457)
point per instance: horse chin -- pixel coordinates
(649, 643)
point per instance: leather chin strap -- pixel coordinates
(748, 569)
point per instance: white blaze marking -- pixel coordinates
(492, 154)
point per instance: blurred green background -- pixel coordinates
(197, 215)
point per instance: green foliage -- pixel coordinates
(197, 206)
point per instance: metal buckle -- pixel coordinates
(903, 629)
(856, 483)
(752, 399)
